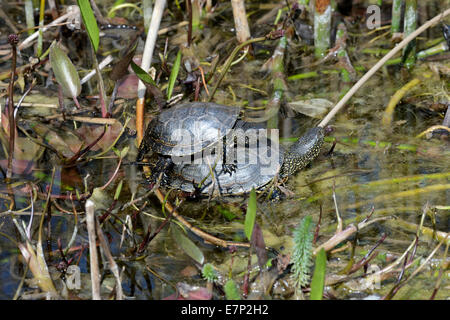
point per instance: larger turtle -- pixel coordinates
(192, 142)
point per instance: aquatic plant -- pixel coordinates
(231, 290)
(302, 253)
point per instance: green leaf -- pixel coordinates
(187, 245)
(90, 22)
(318, 279)
(118, 190)
(65, 73)
(144, 76)
(251, 215)
(116, 151)
(174, 74)
(124, 152)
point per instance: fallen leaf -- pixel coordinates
(314, 108)
(65, 142)
(128, 87)
(90, 133)
(18, 166)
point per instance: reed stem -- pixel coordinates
(322, 27)
(410, 23)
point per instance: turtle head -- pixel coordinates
(302, 152)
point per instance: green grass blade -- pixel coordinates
(116, 3)
(251, 215)
(90, 22)
(144, 76)
(41, 27)
(187, 245)
(118, 190)
(174, 75)
(318, 279)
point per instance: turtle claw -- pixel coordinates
(229, 168)
(196, 194)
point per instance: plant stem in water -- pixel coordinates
(409, 53)
(322, 27)
(396, 16)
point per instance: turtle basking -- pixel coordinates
(191, 144)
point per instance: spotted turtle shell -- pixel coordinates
(248, 175)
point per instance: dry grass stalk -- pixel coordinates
(240, 20)
(112, 264)
(149, 47)
(95, 273)
(38, 266)
(345, 234)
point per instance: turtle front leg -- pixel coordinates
(229, 168)
(142, 151)
(161, 170)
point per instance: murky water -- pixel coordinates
(385, 169)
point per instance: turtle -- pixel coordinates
(192, 144)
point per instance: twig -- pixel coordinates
(72, 11)
(98, 13)
(401, 284)
(13, 39)
(205, 236)
(316, 232)
(347, 232)
(174, 27)
(101, 65)
(95, 273)
(112, 264)
(338, 216)
(189, 10)
(368, 257)
(113, 175)
(379, 64)
(82, 152)
(104, 121)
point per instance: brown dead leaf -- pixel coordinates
(90, 133)
(65, 142)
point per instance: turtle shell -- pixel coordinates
(188, 128)
(188, 148)
(255, 172)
